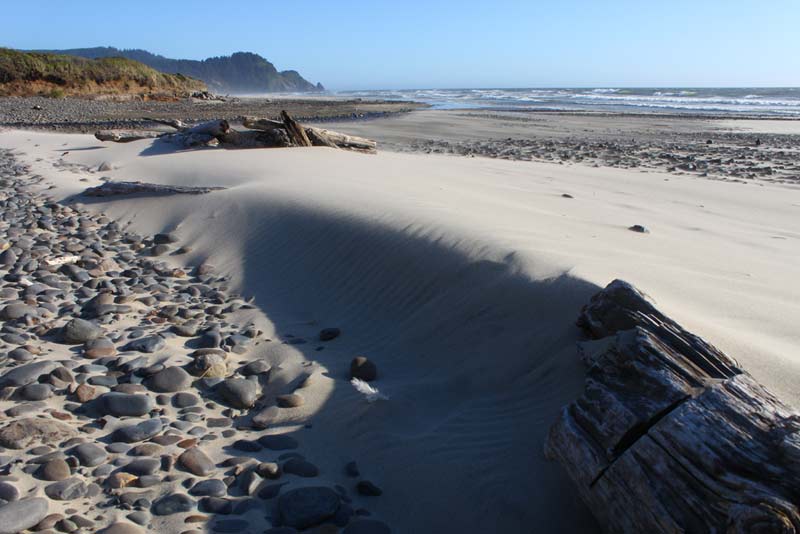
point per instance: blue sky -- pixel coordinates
(399, 44)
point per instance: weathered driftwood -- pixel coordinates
(266, 133)
(670, 434)
(317, 138)
(108, 189)
(191, 140)
(125, 136)
(174, 123)
(341, 140)
(276, 138)
(295, 130)
(214, 128)
(255, 123)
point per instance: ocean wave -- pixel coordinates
(734, 101)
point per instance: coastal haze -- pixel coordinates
(244, 288)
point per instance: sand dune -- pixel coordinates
(461, 278)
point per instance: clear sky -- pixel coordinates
(371, 44)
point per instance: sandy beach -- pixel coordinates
(460, 277)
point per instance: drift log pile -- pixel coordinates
(670, 434)
(262, 133)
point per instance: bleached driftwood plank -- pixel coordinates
(125, 136)
(130, 188)
(670, 435)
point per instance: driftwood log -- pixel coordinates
(110, 188)
(670, 435)
(296, 132)
(264, 133)
(256, 123)
(341, 140)
(125, 136)
(317, 136)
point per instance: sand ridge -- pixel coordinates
(461, 278)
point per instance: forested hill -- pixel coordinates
(240, 73)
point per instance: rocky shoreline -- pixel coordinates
(734, 157)
(87, 115)
(122, 374)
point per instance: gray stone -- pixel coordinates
(66, 490)
(142, 466)
(209, 488)
(368, 489)
(216, 505)
(239, 392)
(363, 368)
(306, 507)
(147, 344)
(138, 432)
(21, 515)
(196, 462)
(278, 442)
(89, 454)
(27, 374)
(36, 392)
(8, 492)
(123, 404)
(80, 331)
(17, 310)
(54, 470)
(174, 503)
(99, 348)
(328, 334)
(301, 468)
(169, 380)
(25, 432)
(185, 400)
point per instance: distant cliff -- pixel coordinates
(57, 75)
(240, 73)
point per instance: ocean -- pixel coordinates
(778, 102)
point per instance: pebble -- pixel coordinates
(21, 515)
(329, 334)
(209, 488)
(25, 432)
(122, 404)
(278, 442)
(67, 490)
(196, 462)
(139, 431)
(8, 492)
(367, 488)
(239, 393)
(173, 503)
(170, 380)
(363, 368)
(54, 470)
(309, 506)
(78, 331)
(89, 454)
(147, 344)
(301, 468)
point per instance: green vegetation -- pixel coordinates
(28, 73)
(240, 73)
